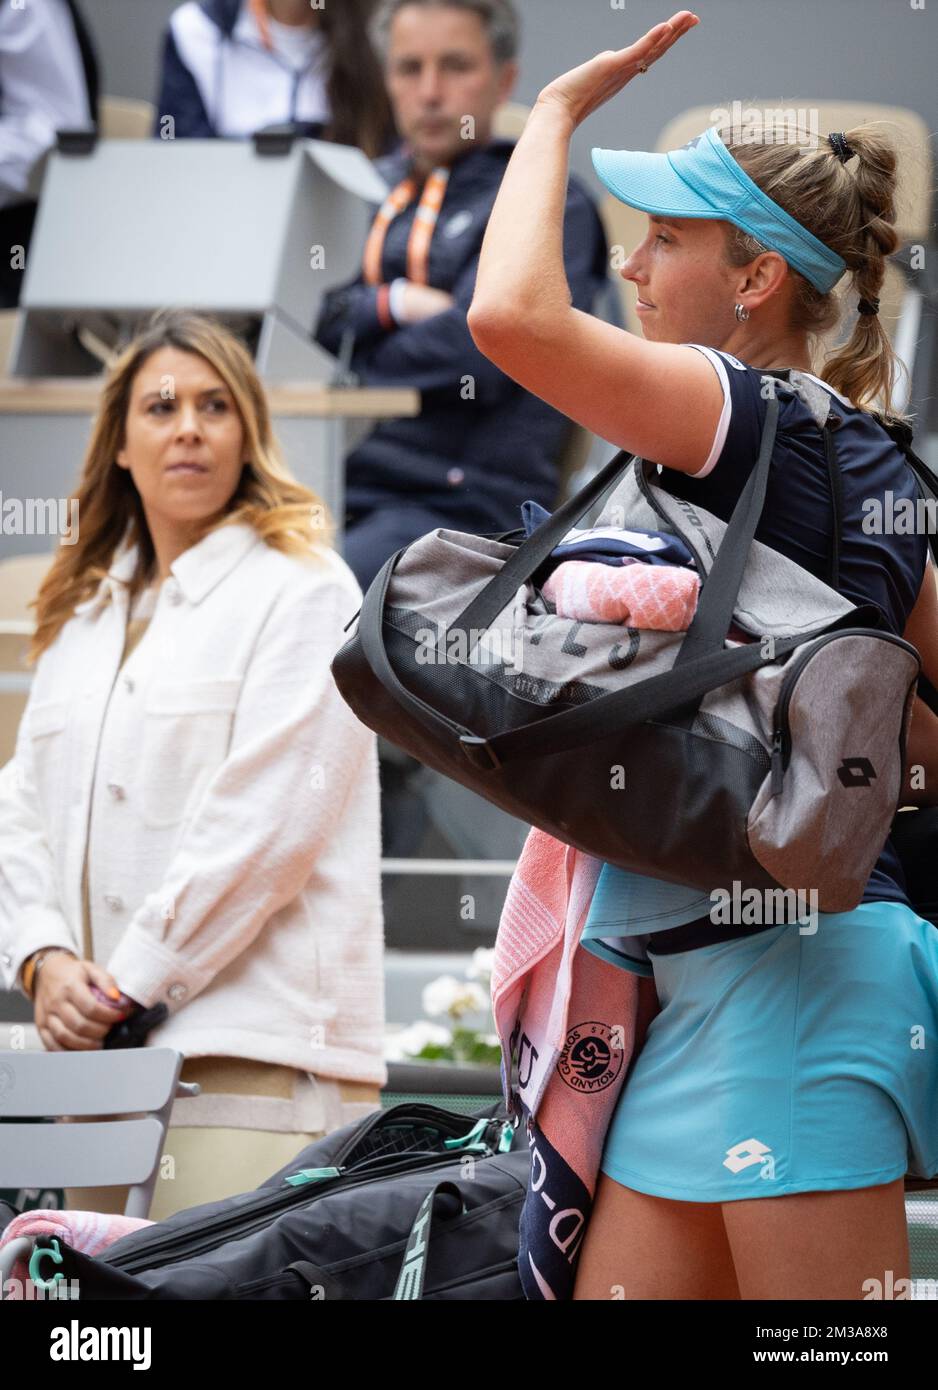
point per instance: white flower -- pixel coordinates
(393, 1052)
(409, 1042)
(482, 960)
(447, 995)
(440, 993)
(473, 1000)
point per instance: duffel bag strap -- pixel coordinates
(668, 689)
(835, 479)
(718, 593)
(411, 1279)
(837, 501)
(720, 589)
(479, 615)
(650, 699)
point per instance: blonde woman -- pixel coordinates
(787, 1081)
(192, 814)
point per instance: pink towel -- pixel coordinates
(663, 597)
(90, 1231)
(569, 1020)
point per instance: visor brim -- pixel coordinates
(649, 182)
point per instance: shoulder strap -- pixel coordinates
(837, 498)
(901, 434)
(834, 477)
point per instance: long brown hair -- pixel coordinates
(285, 514)
(361, 111)
(852, 209)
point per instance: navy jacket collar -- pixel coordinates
(473, 167)
(223, 13)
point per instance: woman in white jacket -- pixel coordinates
(192, 814)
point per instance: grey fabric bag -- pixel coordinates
(770, 763)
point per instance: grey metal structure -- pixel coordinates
(211, 225)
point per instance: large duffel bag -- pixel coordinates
(411, 1202)
(774, 762)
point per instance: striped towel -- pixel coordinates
(662, 597)
(568, 1020)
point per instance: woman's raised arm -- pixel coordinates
(660, 400)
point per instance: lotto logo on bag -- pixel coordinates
(856, 772)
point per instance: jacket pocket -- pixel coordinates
(186, 736)
(46, 733)
(48, 717)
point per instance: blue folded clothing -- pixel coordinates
(609, 545)
(628, 908)
(625, 902)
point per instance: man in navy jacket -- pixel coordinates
(481, 445)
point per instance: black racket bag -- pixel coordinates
(410, 1202)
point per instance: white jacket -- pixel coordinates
(234, 857)
(215, 47)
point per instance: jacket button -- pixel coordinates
(177, 991)
(128, 683)
(7, 960)
(114, 901)
(455, 476)
(116, 790)
(173, 592)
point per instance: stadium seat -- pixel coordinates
(141, 1081)
(121, 119)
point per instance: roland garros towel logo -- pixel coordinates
(592, 1057)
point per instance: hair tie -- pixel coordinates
(868, 306)
(840, 147)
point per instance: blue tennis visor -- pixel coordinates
(702, 179)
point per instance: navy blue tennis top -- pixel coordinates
(797, 520)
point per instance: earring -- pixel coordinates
(742, 313)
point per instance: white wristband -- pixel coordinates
(396, 300)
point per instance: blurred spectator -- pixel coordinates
(48, 82)
(192, 814)
(481, 445)
(232, 67)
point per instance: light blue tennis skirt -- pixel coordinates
(787, 1062)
